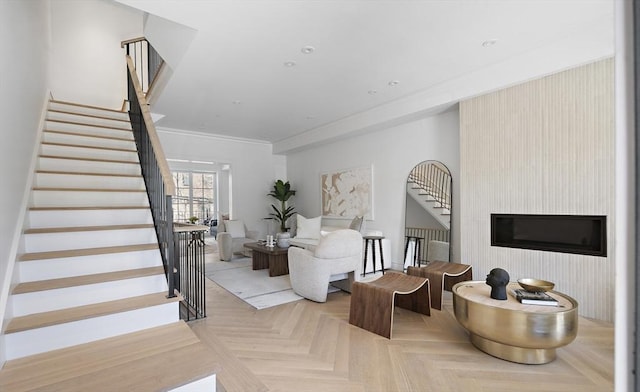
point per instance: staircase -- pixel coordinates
(90, 310)
(430, 204)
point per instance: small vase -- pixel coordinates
(283, 239)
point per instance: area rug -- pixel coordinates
(254, 287)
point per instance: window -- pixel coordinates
(195, 196)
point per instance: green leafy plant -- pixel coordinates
(193, 219)
(282, 192)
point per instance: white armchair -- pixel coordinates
(337, 256)
(232, 235)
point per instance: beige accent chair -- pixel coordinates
(437, 251)
(232, 235)
(338, 256)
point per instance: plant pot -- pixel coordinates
(283, 239)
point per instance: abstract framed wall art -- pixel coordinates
(347, 193)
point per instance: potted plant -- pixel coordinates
(282, 192)
(193, 219)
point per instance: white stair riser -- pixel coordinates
(85, 110)
(21, 344)
(45, 301)
(88, 198)
(46, 219)
(91, 239)
(86, 129)
(53, 137)
(91, 153)
(74, 117)
(74, 165)
(51, 180)
(44, 269)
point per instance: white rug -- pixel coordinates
(254, 287)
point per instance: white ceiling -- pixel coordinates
(238, 49)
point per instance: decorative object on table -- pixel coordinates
(534, 298)
(498, 280)
(193, 220)
(347, 193)
(535, 285)
(270, 243)
(283, 239)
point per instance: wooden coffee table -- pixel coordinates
(273, 258)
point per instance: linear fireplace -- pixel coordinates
(582, 234)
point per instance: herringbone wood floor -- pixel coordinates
(306, 346)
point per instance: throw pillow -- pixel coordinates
(235, 228)
(357, 224)
(308, 228)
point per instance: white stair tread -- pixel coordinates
(70, 173)
(88, 146)
(52, 284)
(92, 116)
(45, 319)
(87, 228)
(85, 208)
(83, 134)
(85, 252)
(88, 125)
(88, 159)
(160, 358)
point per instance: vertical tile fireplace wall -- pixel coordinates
(542, 147)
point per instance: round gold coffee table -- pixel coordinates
(510, 330)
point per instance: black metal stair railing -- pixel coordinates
(183, 264)
(190, 249)
(434, 181)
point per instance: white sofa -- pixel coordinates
(309, 241)
(337, 256)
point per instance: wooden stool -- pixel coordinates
(372, 239)
(416, 248)
(372, 303)
(442, 276)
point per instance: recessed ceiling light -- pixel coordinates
(372, 92)
(489, 42)
(308, 49)
(393, 83)
(289, 64)
(236, 102)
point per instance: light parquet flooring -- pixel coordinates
(306, 346)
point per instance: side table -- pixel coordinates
(371, 239)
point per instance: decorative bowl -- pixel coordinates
(535, 285)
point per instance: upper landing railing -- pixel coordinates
(147, 62)
(435, 181)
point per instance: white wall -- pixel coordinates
(87, 63)
(417, 216)
(392, 152)
(252, 169)
(25, 41)
(543, 147)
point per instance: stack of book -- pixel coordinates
(538, 298)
